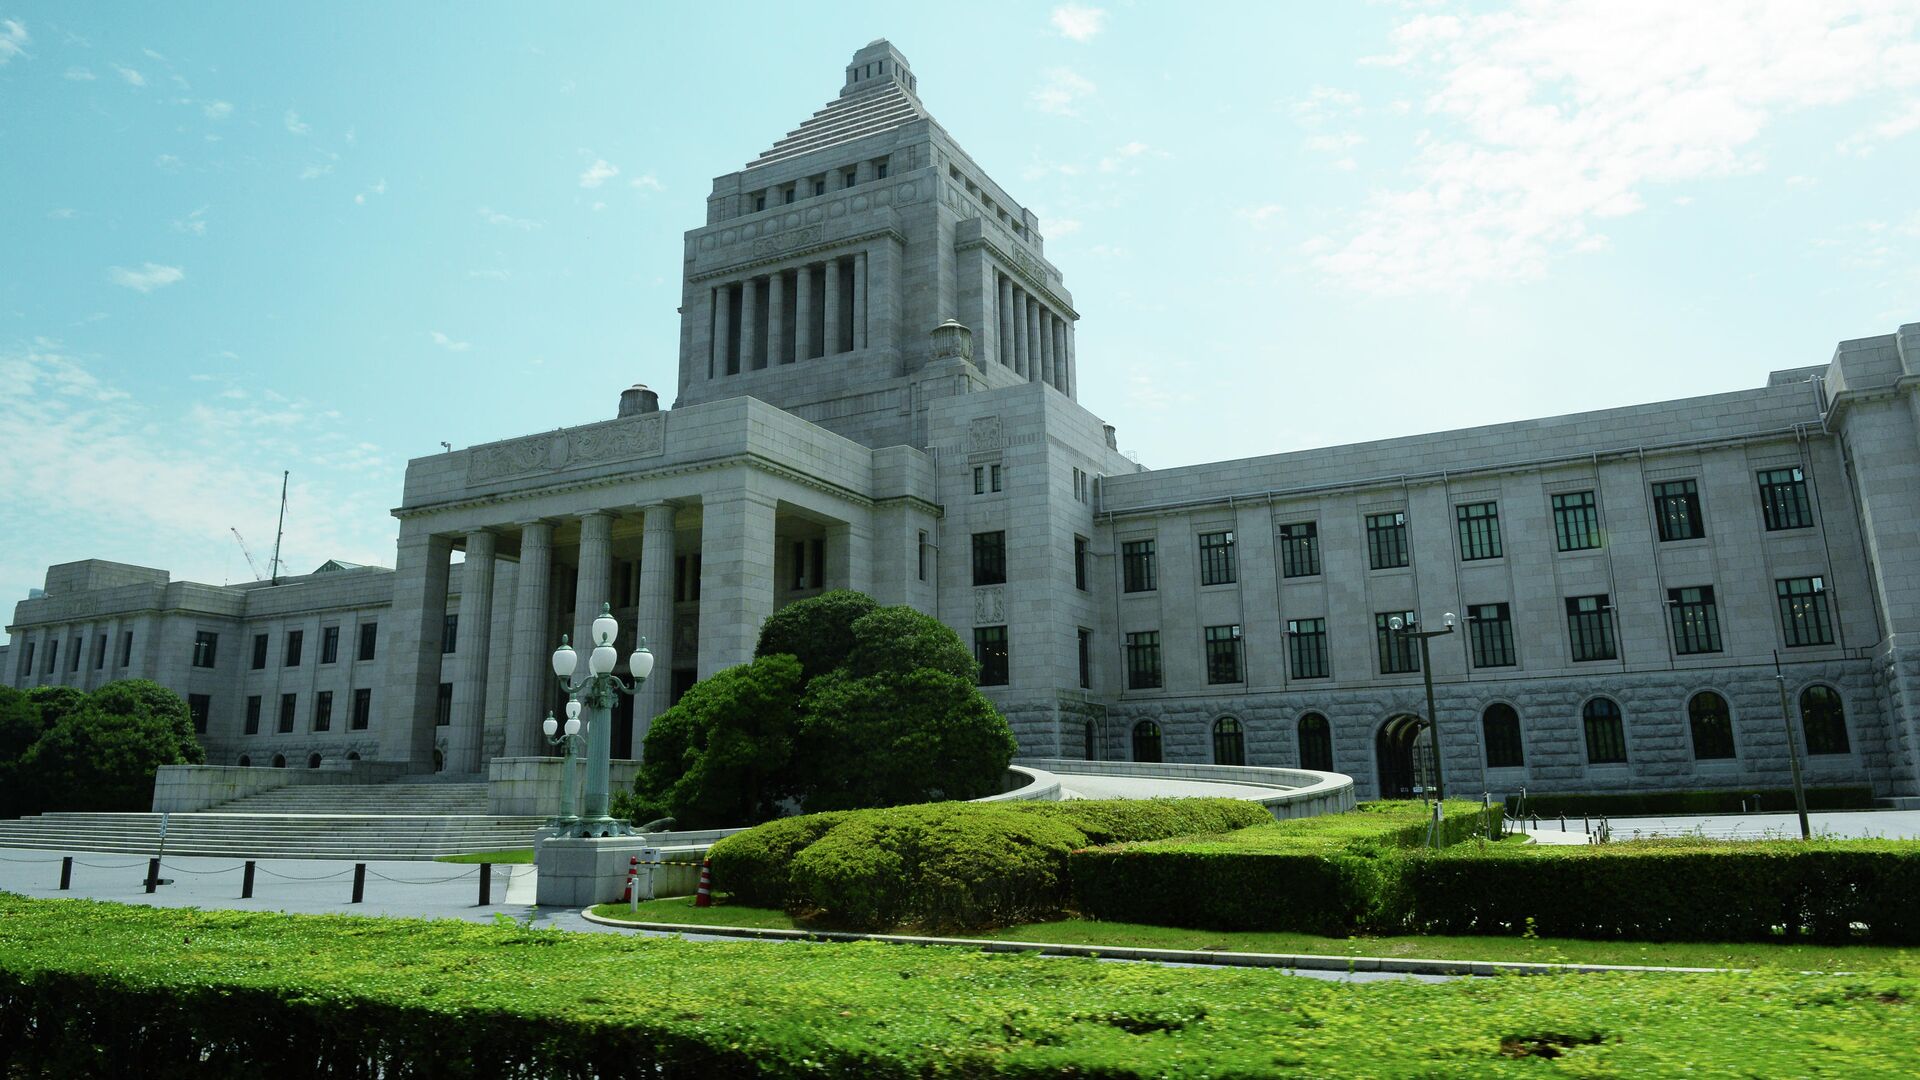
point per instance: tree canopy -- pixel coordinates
(62, 749)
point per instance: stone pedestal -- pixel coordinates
(579, 872)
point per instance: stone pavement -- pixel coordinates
(1850, 824)
(1083, 786)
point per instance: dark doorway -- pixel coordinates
(683, 680)
(623, 727)
(1405, 761)
(1088, 752)
(1146, 741)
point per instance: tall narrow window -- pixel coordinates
(73, 654)
(370, 635)
(362, 709)
(259, 651)
(1307, 648)
(1490, 632)
(1712, 725)
(1696, 620)
(206, 648)
(288, 706)
(1676, 509)
(1803, 611)
(443, 706)
(296, 639)
(1086, 658)
(990, 651)
(1300, 549)
(1316, 743)
(1479, 525)
(199, 706)
(25, 667)
(1143, 660)
(1137, 566)
(993, 478)
(1223, 654)
(1387, 540)
(1229, 742)
(1399, 654)
(990, 558)
(1606, 736)
(126, 648)
(1500, 726)
(253, 716)
(1823, 720)
(1590, 627)
(1080, 556)
(1216, 558)
(323, 710)
(1146, 741)
(450, 630)
(1576, 521)
(1783, 499)
(329, 644)
(100, 653)
(979, 479)
(799, 579)
(923, 555)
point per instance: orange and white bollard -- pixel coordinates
(704, 898)
(633, 874)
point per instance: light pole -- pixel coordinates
(1405, 628)
(566, 816)
(596, 692)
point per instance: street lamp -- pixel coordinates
(596, 692)
(1405, 628)
(571, 738)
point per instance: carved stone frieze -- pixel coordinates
(985, 433)
(787, 241)
(989, 607)
(637, 437)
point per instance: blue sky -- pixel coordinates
(236, 239)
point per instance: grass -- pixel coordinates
(1752, 955)
(516, 855)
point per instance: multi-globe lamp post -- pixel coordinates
(596, 693)
(1408, 628)
(568, 741)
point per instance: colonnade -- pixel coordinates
(1034, 341)
(788, 315)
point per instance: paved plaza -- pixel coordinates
(1838, 825)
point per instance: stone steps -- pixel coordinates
(263, 836)
(394, 798)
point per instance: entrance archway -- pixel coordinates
(1403, 750)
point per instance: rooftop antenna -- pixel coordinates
(447, 446)
(281, 530)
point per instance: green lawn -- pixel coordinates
(1762, 956)
(517, 855)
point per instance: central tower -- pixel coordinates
(826, 263)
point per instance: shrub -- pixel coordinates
(720, 755)
(817, 631)
(753, 865)
(103, 755)
(896, 738)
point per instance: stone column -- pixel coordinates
(529, 685)
(1020, 359)
(736, 574)
(849, 552)
(1046, 347)
(859, 300)
(749, 322)
(476, 628)
(720, 362)
(1072, 377)
(803, 314)
(593, 586)
(1033, 341)
(776, 318)
(655, 617)
(1005, 313)
(412, 643)
(830, 323)
(1059, 354)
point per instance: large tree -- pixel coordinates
(19, 729)
(103, 755)
(719, 757)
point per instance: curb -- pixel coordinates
(1391, 965)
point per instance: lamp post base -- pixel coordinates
(589, 828)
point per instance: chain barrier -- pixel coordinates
(423, 881)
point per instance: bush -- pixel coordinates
(817, 631)
(753, 865)
(103, 756)
(19, 730)
(1775, 800)
(720, 755)
(892, 739)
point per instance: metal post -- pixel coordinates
(1793, 749)
(66, 873)
(359, 881)
(1433, 720)
(153, 873)
(486, 884)
(246, 882)
(599, 749)
(566, 781)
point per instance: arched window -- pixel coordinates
(353, 755)
(1146, 741)
(1823, 720)
(279, 761)
(1229, 742)
(1316, 743)
(1606, 737)
(246, 761)
(1088, 752)
(313, 761)
(1712, 724)
(1501, 727)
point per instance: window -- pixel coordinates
(850, 177)
(279, 761)
(26, 662)
(759, 202)
(288, 703)
(1080, 563)
(819, 187)
(1143, 660)
(1783, 499)
(1229, 742)
(1146, 741)
(1490, 633)
(1300, 549)
(259, 651)
(1590, 627)
(1216, 558)
(329, 644)
(993, 478)
(1479, 525)
(1223, 654)
(1387, 540)
(73, 654)
(880, 169)
(295, 639)
(1086, 658)
(1676, 509)
(1823, 720)
(1712, 724)
(799, 564)
(1803, 611)
(1316, 743)
(323, 710)
(100, 653)
(990, 558)
(1696, 621)
(369, 635)
(253, 716)
(790, 194)
(443, 706)
(1606, 737)
(1136, 566)
(1576, 521)
(206, 648)
(362, 709)
(1307, 648)
(979, 479)
(923, 554)
(450, 630)
(1501, 727)
(990, 651)
(1398, 652)
(126, 648)
(199, 706)
(1087, 741)
(53, 655)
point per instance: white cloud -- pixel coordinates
(167, 163)
(316, 171)
(1128, 156)
(295, 125)
(449, 344)
(1261, 216)
(1902, 121)
(1062, 93)
(377, 189)
(61, 213)
(1059, 227)
(598, 173)
(1077, 21)
(131, 76)
(507, 221)
(149, 277)
(1321, 104)
(79, 74)
(646, 182)
(217, 110)
(1551, 118)
(194, 223)
(13, 39)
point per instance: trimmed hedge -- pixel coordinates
(93, 989)
(946, 866)
(1777, 800)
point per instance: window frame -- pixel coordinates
(368, 646)
(1231, 735)
(1139, 566)
(1676, 510)
(361, 719)
(1314, 650)
(1600, 616)
(322, 710)
(1147, 733)
(295, 648)
(289, 713)
(1300, 549)
(1612, 731)
(1387, 539)
(1569, 514)
(1784, 503)
(251, 725)
(990, 557)
(330, 644)
(1835, 739)
(1313, 739)
(1490, 636)
(1144, 670)
(1217, 563)
(206, 648)
(1223, 653)
(1396, 648)
(1806, 621)
(261, 646)
(1509, 740)
(1717, 746)
(1477, 527)
(992, 654)
(1694, 624)
(200, 710)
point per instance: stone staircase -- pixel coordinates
(406, 819)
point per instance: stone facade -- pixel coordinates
(877, 389)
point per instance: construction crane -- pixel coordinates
(251, 565)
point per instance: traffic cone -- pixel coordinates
(633, 873)
(704, 898)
